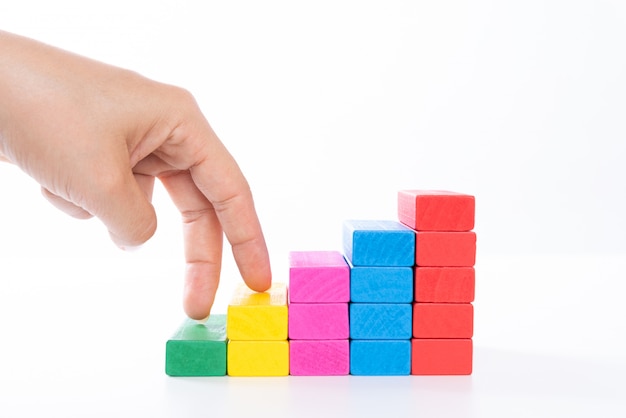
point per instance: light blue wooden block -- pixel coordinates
(380, 357)
(381, 284)
(384, 243)
(381, 321)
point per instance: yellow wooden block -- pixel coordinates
(254, 316)
(258, 358)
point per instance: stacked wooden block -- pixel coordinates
(198, 349)
(319, 293)
(396, 301)
(257, 332)
(444, 278)
(381, 256)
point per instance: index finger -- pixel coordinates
(220, 179)
(233, 203)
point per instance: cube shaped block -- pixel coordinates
(380, 357)
(318, 276)
(381, 284)
(378, 243)
(444, 284)
(318, 321)
(197, 349)
(380, 321)
(445, 249)
(258, 358)
(436, 210)
(257, 316)
(319, 357)
(441, 356)
(443, 320)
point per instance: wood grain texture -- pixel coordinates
(445, 249)
(258, 358)
(318, 321)
(258, 315)
(381, 284)
(441, 356)
(380, 321)
(318, 276)
(319, 357)
(436, 210)
(197, 349)
(443, 320)
(445, 284)
(384, 243)
(380, 357)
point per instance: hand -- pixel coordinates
(96, 136)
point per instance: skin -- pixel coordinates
(96, 136)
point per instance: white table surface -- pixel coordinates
(86, 337)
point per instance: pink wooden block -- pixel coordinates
(318, 321)
(319, 357)
(318, 276)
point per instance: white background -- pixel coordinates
(330, 108)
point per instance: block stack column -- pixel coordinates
(256, 327)
(444, 279)
(319, 293)
(381, 254)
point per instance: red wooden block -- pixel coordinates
(445, 249)
(436, 210)
(441, 356)
(444, 284)
(443, 320)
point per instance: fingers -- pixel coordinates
(217, 175)
(214, 198)
(65, 206)
(144, 183)
(222, 182)
(196, 148)
(122, 203)
(202, 235)
(242, 227)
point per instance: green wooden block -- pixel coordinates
(197, 349)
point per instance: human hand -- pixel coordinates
(96, 136)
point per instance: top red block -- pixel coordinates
(436, 210)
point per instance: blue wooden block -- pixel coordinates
(378, 243)
(381, 321)
(381, 284)
(380, 357)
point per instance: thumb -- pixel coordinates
(123, 205)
